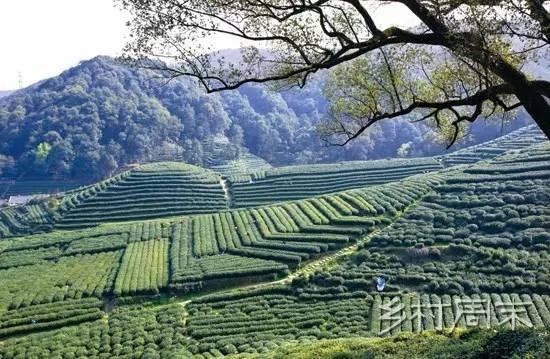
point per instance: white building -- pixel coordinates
(17, 200)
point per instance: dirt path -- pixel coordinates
(309, 267)
(316, 264)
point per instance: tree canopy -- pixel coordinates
(100, 116)
(465, 60)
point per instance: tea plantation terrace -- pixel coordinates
(518, 139)
(297, 182)
(168, 189)
(470, 233)
(151, 190)
(25, 219)
(192, 253)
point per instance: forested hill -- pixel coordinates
(4, 93)
(100, 116)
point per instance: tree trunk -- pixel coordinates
(532, 100)
(540, 14)
(535, 104)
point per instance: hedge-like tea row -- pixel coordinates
(189, 269)
(271, 240)
(25, 219)
(62, 238)
(253, 322)
(226, 267)
(297, 182)
(136, 332)
(145, 231)
(149, 191)
(79, 195)
(49, 250)
(519, 139)
(67, 278)
(256, 323)
(465, 237)
(49, 316)
(41, 214)
(241, 167)
(105, 243)
(144, 268)
(27, 256)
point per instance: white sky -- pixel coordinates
(42, 38)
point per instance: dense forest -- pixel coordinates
(101, 115)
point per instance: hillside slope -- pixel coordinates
(100, 116)
(256, 243)
(295, 182)
(169, 189)
(480, 238)
(473, 234)
(145, 192)
(518, 139)
(148, 191)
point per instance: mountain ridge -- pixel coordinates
(101, 115)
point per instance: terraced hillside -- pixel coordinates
(267, 323)
(34, 217)
(262, 320)
(479, 240)
(187, 254)
(519, 139)
(151, 190)
(495, 217)
(43, 213)
(272, 240)
(197, 251)
(473, 237)
(241, 168)
(171, 189)
(297, 182)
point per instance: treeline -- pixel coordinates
(101, 115)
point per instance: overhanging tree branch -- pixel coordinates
(477, 100)
(303, 37)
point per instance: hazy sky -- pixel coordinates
(41, 38)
